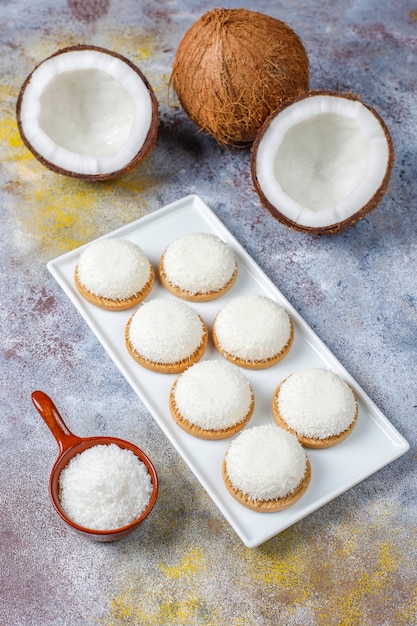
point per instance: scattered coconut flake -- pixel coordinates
(253, 328)
(104, 488)
(113, 268)
(316, 403)
(213, 395)
(199, 263)
(266, 462)
(166, 330)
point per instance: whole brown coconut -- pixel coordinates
(233, 68)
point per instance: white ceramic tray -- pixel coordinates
(373, 443)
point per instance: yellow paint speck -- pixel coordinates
(137, 46)
(10, 137)
(61, 213)
(190, 564)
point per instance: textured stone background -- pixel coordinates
(353, 561)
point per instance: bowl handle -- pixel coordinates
(52, 418)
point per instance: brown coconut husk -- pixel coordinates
(363, 211)
(233, 68)
(142, 152)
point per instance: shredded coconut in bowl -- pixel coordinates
(104, 488)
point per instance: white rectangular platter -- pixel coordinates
(373, 443)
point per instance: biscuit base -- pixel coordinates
(167, 368)
(311, 442)
(115, 305)
(255, 365)
(203, 433)
(267, 506)
(197, 296)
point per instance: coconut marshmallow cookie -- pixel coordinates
(212, 400)
(317, 405)
(266, 469)
(198, 267)
(114, 274)
(166, 335)
(253, 332)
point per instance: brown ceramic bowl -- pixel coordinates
(70, 445)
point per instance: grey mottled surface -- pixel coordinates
(353, 561)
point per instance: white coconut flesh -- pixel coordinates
(86, 111)
(321, 160)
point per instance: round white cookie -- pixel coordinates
(166, 335)
(266, 468)
(198, 267)
(253, 331)
(113, 274)
(317, 405)
(212, 400)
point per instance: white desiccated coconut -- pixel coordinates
(213, 395)
(104, 488)
(113, 268)
(253, 328)
(199, 263)
(266, 462)
(165, 330)
(316, 403)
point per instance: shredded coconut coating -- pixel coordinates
(165, 330)
(253, 328)
(105, 487)
(213, 395)
(316, 403)
(199, 263)
(266, 462)
(113, 268)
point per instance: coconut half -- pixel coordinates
(87, 112)
(322, 162)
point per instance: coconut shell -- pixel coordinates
(358, 215)
(233, 68)
(146, 146)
